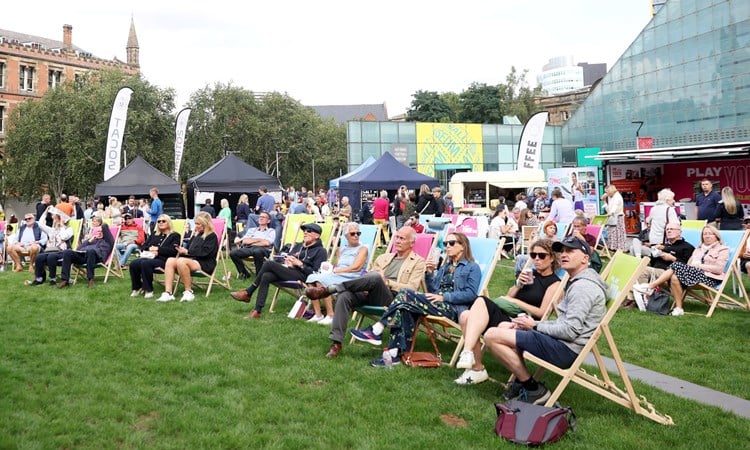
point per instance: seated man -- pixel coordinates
(256, 242)
(93, 249)
(301, 261)
(31, 240)
(413, 222)
(391, 272)
(556, 341)
(674, 249)
(131, 238)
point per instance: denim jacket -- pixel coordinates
(466, 281)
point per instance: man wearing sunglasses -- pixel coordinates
(31, 240)
(556, 341)
(391, 272)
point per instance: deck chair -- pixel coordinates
(77, 226)
(600, 220)
(111, 265)
(736, 241)
(693, 224)
(620, 274)
(693, 236)
(486, 253)
(562, 230)
(598, 231)
(291, 227)
(207, 280)
(296, 288)
(528, 234)
(3, 256)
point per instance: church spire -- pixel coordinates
(132, 47)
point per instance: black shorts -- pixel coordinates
(496, 315)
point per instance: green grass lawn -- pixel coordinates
(94, 368)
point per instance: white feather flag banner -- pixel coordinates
(530, 146)
(179, 139)
(116, 132)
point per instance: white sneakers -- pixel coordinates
(148, 295)
(136, 293)
(472, 377)
(315, 319)
(165, 297)
(327, 320)
(677, 311)
(187, 296)
(465, 360)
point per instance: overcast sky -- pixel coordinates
(340, 52)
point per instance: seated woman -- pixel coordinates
(161, 243)
(200, 256)
(531, 294)
(187, 234)
(451, 289)
(502, 225)
(706, 266)
(58, 237)
(549, 231)
(350, 261)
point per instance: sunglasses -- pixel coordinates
(451, 243)
(535, 255)
(355, 233)
(29, 218)
(161, 221)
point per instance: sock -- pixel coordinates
(393, 352)
(530, 384)
(378, 328)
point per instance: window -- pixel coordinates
(55, 77)
(565, 115)
(2, 116)
(26, 77)
(2, 74)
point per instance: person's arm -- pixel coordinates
(167, 249)
(141, 236)
(715, 262)
(410, 276)
(570, 326)
(208, 247)
(469, 290)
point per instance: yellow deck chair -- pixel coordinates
(693, 224)
(77, 226)
(620, 274)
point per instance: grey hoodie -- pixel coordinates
(582, 308)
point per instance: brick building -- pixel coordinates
(30, 65)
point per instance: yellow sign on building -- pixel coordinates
(449, 145)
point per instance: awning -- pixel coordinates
(729, 150)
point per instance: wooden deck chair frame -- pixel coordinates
(716, 297)
(220, 225)
(450, 331)
(294, 288)
(598, 232)
(629, 268)
(111, 265)
(528, 235)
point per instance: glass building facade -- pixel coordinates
(440, 150)
(686, 77)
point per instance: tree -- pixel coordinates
(429, 106)
(260, 129)
(480, 104)
(60, 140)
(517, 97)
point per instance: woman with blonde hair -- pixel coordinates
(160, 246)
(706, 266)
(201, 255)
(243, 209)
(114, 211)
(225, 213)
(615, 207)
(729, 213)
(662, 213)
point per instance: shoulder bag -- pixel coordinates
(422, 359)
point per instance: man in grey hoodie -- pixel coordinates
(556, 341)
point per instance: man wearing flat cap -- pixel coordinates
(302, 260)
(556, 341)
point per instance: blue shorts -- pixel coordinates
(545, 347)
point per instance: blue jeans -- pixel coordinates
(124, 251)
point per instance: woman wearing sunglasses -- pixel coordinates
(451, 290)
(161, 246)
(350, 261)
(531, 294)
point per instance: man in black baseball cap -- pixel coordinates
(556, 341)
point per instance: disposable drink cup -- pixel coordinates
(529, 276)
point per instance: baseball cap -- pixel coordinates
(572, 242)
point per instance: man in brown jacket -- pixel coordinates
(390, 273)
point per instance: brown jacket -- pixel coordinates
(411, 274)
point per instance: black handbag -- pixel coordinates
(658, 302)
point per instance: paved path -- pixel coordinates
(682, 388)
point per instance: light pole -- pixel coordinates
(278, 169)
